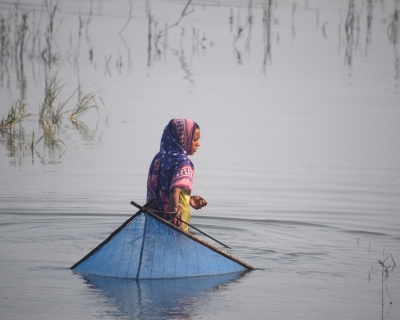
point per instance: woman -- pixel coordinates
(171, 172)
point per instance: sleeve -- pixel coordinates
(183, 178)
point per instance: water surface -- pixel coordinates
(298, 104)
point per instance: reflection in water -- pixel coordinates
(250, 24)
(198, 41)
(393, 29)
(93, 136)
(153, 37)
(157, 36)
(294, 6)
(349, 30)
(393, 32)
(12, 47)
(267, 15)
(129, 18)
(370, 7)
(158, 299)
(47, 54)
(241, 30)
(21, 30)
(149, 33)
(5, 47)
(184, 13)
(237, 34)
(352, 30)
(157, 41)
(15, 142)
(397, 66)
(107, 62)
(125, 42)
(184, 66)
(14, 138)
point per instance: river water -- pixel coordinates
(299, 108)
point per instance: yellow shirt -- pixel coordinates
(184, 198)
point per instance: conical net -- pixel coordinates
(148, 249)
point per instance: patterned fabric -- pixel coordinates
(171, 167)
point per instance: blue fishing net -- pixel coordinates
(149, 249)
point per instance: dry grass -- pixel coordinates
(16, 114)
(87, 102)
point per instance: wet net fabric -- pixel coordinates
(149, 249)
(120, 256)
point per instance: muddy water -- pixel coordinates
(298, 103)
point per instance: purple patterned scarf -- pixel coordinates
(171, 167)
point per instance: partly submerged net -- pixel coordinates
(147, 247)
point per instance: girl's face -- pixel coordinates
(195, 142)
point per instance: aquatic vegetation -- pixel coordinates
(183, 14)
(267, 17)
(350, 27)
(158, 35)
(51, 112)
(47, 54)
(53, 88)
(393, 29)
(21, 28)
(15, 142)
(5, 29)
(85, 103)
(13, 34)
(16, 114)
(13, 136)
(386, 269)
(50, 137)
(129, 18)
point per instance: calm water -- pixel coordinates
(299, 106)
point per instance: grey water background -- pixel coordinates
(298, 103)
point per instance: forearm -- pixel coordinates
(174, 199)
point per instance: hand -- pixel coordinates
(197, 202)
(178, 210)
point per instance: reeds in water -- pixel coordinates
(47, 54)
(52, 106)
(386, 269)
(16, 114)
(5, 31)
(393, 29)
(87, 102)
(20, 29)
(52, 110)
